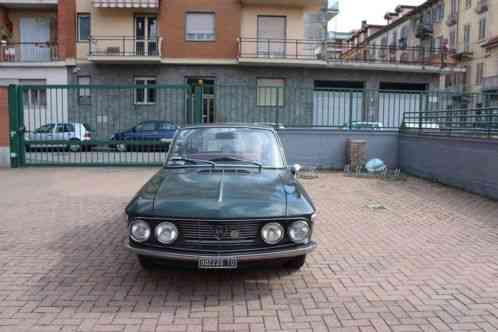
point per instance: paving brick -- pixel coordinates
(427, 262)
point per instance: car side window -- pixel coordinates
(147, 126)
(65, 128)
(166, 126)
(45, 129)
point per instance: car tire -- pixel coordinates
(121, 147)
(146, 262)
(296, 263)
(74, 147)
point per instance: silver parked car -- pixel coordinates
(73, 133)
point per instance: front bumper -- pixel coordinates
(242, 257)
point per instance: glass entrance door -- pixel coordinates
(202, 101)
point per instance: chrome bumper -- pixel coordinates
(244, 257)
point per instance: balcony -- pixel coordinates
(123, 49)
(452, 19)
(33, 52)
(482, 6)
(317, 52)
(287, 3)
(279, 50)
(490, 83)
(28, 3)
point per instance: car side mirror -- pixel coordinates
(295, 169)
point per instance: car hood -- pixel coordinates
(221, 193)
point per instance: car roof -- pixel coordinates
(231, 125)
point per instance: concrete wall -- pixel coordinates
(325, 148)
(470, 164)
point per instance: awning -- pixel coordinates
(126, 3)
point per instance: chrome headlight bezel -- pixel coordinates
(273, 226)
(134, 226)
(173, 231)
(296, 234)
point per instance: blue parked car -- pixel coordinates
(149, 132)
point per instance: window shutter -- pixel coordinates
(271, 27)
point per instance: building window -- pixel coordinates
(482, 28)
(200, 27)
(34, 97)
(270, 92)
(454, 7)
(84, 93)
(479, 73)
(83, 27)
(468, 4)
(272, 33)
(145, 95)
(452, 41)
(466, 38)
(468, 75)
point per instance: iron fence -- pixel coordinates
(476, 122)
(134, 124)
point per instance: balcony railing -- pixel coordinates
(28, 52)
(125, 46)
(293, 49)
(280, 48)
(490, 83)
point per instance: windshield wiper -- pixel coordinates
(193, 161)
(239, 160)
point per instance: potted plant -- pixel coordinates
(5, 33)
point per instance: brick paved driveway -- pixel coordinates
(428, 261)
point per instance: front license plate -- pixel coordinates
(218, 262)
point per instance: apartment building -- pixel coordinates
(34, 44)
(465, 30)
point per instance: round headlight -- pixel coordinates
(299, 231)
(166, 232)
(272, 233)
(139, 231)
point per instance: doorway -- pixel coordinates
(202, 101)
(146, 36)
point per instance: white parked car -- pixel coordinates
(73, 133)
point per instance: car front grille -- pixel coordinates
(217, 234)
(205, 232)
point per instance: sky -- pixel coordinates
(352, 12)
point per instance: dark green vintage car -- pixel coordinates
(225, 198)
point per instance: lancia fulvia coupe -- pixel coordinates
(225, 198)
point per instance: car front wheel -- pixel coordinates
(296, 263)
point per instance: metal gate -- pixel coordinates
(133, 125)
(90, 125)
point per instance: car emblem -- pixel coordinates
(219, 231)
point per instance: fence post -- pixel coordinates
(350, 110)
(16, 127)
(197, 118)
(278, 106)
(420, 112)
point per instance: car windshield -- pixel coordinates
(238, 145)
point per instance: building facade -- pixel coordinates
(266, 59)
(467, 30)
